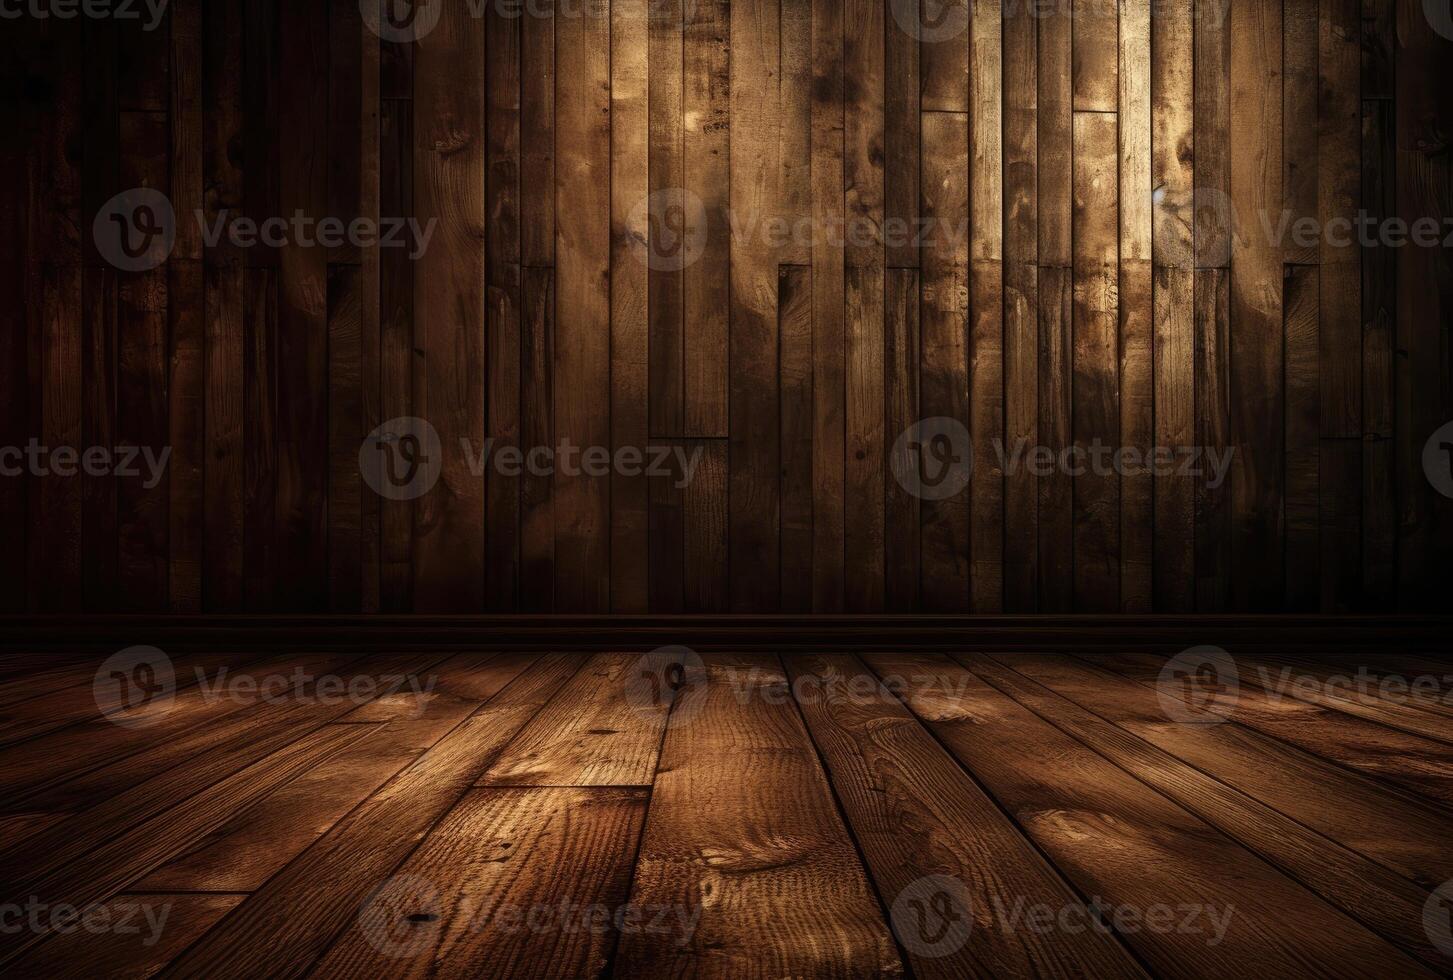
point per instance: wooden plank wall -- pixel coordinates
(771, 235)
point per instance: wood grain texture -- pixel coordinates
(730, 839)
(914, 816)
(359, 853)
(449, 302)
(482, 876)
(824, 815)
(1088, 798)
(1096, 383)
(596, 731)
(616, 188)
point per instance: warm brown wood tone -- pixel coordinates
(690, 224)
(731, 815)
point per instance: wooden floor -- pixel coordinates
(559, 815)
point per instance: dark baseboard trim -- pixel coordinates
(1100, 634)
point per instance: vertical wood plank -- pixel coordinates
(370, 313)
(900, 364)
(1096, 56)
(1339, 160)
(1173, 175)
(54, 331)
(302, 339)
(397, 365)
(829, 286)
(706, 154)
(1257, 391)
(863, 530)
(141, 384)
(1303, 541)
(755, 176)
(537, 428)
(502, 304)
(582, 283)
(186, 306)
(1379, 278)
(1299, 138)
(1056, 429)
(100, 176)
(345, 538)
(794, 130)
(903, 85)
(942, 29)
(1021, 304)
(1212, 245)
(667, 541)
(629, 301)
(944, 380)
(225, 309)
(1096, 412)
(449, 178)
(262, 163)
(1136, 301)
(795, 391)
(98, 521)
(1213, 431)
(186, 410)
(260, 457)
(346, 302)
(1055, 211)
(704, 512)
(537, 137)
(986, 309)
(670, 211)
(863, 180)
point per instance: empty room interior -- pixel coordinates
(726, 488)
